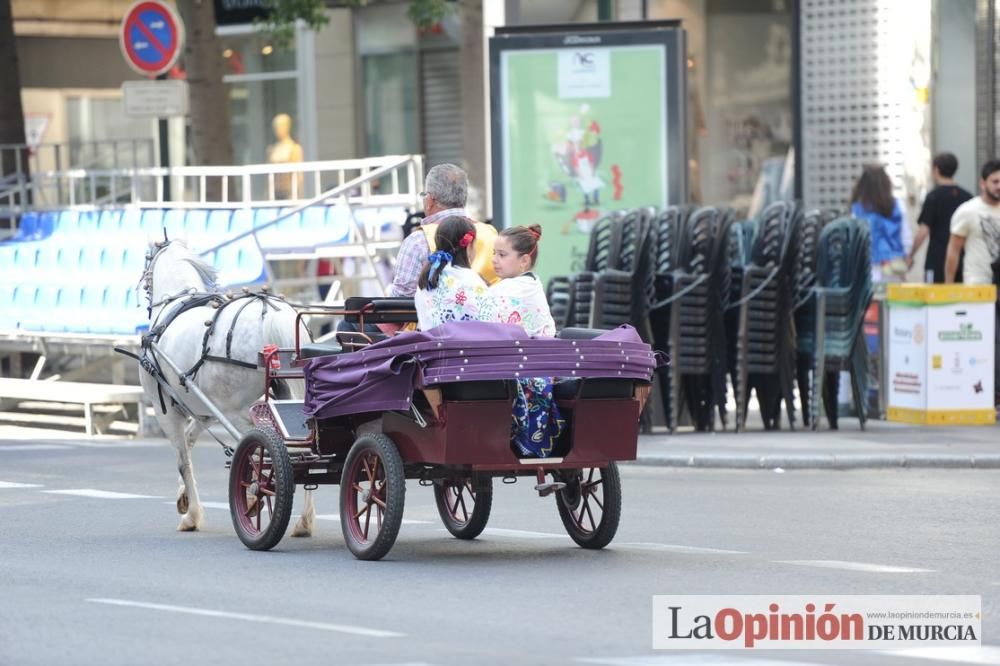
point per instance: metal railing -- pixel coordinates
(229, 187)
(28, 161)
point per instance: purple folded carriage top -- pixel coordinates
(384, 375)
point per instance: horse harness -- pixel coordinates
(192, 299)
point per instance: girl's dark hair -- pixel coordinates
(448, 238)
(874, 191)
(524, 240)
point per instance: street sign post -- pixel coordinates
(155, 99)
(151, 37)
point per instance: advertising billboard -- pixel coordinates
(585, 123)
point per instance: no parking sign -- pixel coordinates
(151, 37)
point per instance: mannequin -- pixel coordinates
(284, 151)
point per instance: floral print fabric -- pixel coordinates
(461, 295)
(521, 300)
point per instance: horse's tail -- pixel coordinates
(279, 329)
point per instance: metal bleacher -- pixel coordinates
(70, 274)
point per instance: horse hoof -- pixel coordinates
(300, 530)
(253, 507)
(182, 504)
(187, 525)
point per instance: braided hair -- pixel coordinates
(453, 237)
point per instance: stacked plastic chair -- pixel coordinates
(571, 297)
(842, 293)
(699, 295)
(806, 240)
(741, 239)
(765, 351)
(664, 238)
(622, 292)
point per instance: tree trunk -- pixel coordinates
(210, 132)
(475, 134)
(11, 111)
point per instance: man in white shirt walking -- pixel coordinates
(975, 226)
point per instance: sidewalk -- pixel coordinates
(881, 445)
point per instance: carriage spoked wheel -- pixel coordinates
(261, 486)
(591, 505)
(464, 504)
(372, 495)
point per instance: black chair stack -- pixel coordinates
(806, 239)
(842, 294)
(665, 236)
(765, 350)
(699, 284)
(571, 297)
(622, 290)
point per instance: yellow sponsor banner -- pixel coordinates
(942, 416)
(941, 293)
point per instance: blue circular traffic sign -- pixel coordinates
(151, 37)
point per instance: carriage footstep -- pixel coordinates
(547, 488)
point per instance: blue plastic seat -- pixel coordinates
(195, 224)
(131, 221)
(109, 222)
(8, 316)
(44, 315)
(218, 224)
(87, 223)
(241, 221)
(173, 221)
(153, 220)
(67, 222)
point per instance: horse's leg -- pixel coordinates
(304, 525)
(192, 518)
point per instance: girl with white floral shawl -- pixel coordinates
(518, 298)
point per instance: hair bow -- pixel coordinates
(438, 258)
(467, 239)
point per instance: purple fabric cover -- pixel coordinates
(384, 375)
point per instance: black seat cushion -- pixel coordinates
(584, 389)
(316, 349)
(381, 310)
(572, 333)
(482, 390)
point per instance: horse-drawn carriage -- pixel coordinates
(435, 406)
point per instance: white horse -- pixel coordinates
(173, 277)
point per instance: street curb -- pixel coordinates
(822, 461)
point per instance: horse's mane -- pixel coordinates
(206, 272)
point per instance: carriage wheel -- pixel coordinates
(591, 505)
(261, 486)
(372, 494)
(463, 509)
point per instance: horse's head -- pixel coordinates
(171, 269)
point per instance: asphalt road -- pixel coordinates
(102, 578)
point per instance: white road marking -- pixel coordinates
(988, 655)
(336, 516)
(207, 505)
(34, 447)
(691, 658)
(854, 566)
(100, 494)
(4, 485)
(521, 534)
(675, 548)
(246, 617)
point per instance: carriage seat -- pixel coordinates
(491, 389)
(571, 333)
(317, 349)
(584, 389)
(381, 310)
